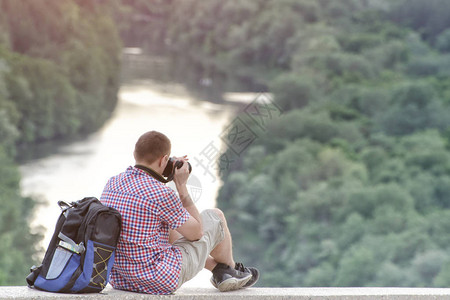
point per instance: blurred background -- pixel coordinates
(347, 185)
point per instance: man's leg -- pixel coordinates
(210, 263)
(216, 241)
(223, 252)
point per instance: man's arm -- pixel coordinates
(192, 229)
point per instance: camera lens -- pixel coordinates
(170, 171)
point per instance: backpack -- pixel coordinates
(81, 252)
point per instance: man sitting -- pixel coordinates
(165, 241)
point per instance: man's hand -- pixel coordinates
(182, 174)
(180, 178)
(192, 229)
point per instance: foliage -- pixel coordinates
(59, 89)
(19, 247)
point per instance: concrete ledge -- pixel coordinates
(26, 293)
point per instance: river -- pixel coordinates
(82, 168)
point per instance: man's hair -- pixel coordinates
(151, 146)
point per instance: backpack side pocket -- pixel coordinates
(60, 259)
(63, 266)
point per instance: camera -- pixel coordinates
(169, 171)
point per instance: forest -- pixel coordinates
(350, 186)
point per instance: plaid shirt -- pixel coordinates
(145, 261)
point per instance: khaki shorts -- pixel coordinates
(195, 253)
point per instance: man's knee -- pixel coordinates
(219, 213)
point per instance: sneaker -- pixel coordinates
(227, 279)
(254, 271)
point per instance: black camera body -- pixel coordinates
(173, 164)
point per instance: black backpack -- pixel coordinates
(81, 252)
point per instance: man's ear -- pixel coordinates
(163, 159)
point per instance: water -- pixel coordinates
(82, 168)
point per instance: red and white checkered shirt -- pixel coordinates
(145, 261)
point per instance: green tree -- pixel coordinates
(19, 247)
(414, 108)
(293, 91)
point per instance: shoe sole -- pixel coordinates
(244, 286)
(253, 283)
(232, 284)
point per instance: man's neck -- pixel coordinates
(150, 171)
